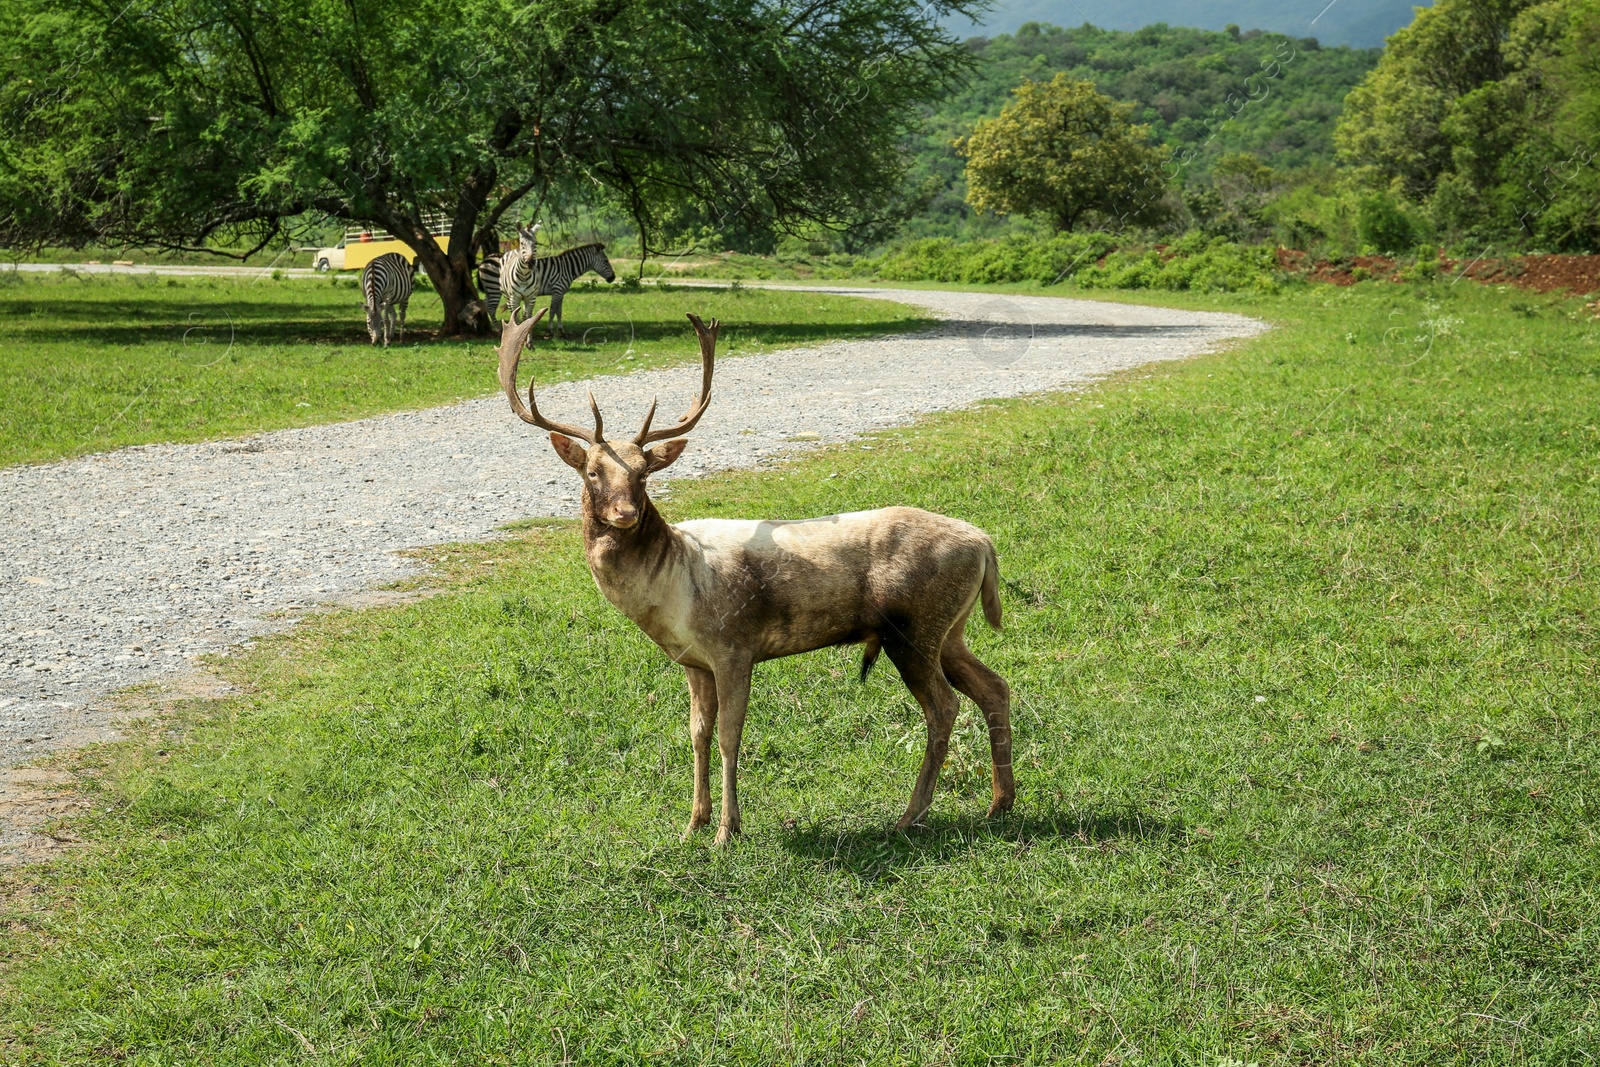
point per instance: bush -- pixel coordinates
(1195, 262)
(1425, 269)
(1382, 226)
(1017, 258)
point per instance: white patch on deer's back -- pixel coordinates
(768, 535)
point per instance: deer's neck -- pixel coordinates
(629, 564)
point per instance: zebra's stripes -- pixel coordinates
(540, 276)
(517, 280)
(386, 290)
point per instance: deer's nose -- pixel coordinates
(623, 517)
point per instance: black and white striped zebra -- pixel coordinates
(386, 290)
(511, 275)
(548, 276)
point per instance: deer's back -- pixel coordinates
(809, 583)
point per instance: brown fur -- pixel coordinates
(720, 596)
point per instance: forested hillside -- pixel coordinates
(1483, 114)
(1363, 24)
(1205, 93)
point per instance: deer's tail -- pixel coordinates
(874, 645)
(991, 587)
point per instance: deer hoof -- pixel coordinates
(725, 837)
(694, 824)
(1001, 805)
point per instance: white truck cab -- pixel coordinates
(326, 259)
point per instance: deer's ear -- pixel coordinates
(571, 452)
(664, 455)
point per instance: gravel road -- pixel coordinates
(118, 568)
(220, 270)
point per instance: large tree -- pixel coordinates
(179, 123)
(1063, 150)
(1485, 112)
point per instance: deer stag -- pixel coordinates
(720, 596)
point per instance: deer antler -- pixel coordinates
(708, 359)
(512, 341)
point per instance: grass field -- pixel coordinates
(1302, 639)
(93, 362)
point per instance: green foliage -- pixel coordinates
(1234, 203)
(1016, 258)
(1196, 262)
(1302, 646)
(1424, 268)
(1063, 151)
(1204, 95)
(1382, 226)
(1484, 112)
(170, 123)
(201, 358)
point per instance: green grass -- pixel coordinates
(94, 362)
(1302, 638)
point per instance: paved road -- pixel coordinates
(119, 568)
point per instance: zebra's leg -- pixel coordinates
(401, 308)
(555, 315)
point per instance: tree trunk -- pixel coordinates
(452, 279)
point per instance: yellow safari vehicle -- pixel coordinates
(361, 246)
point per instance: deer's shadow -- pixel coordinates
(875, 852)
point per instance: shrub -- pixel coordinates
(1425, 269)
(1382, 226)
(1018, 258)
(1196, 262)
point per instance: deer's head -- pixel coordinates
(613, 471)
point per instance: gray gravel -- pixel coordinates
(265, 270)
(118, 568)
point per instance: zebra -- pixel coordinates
(550, 276)
(386, 290)
(517, 266)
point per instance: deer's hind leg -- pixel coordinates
(920, 670)
(993, 696)
(702, 727)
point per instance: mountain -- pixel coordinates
(1361, 23)
(1207, 94)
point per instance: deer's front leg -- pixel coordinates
(702, 724)
(733, 698)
